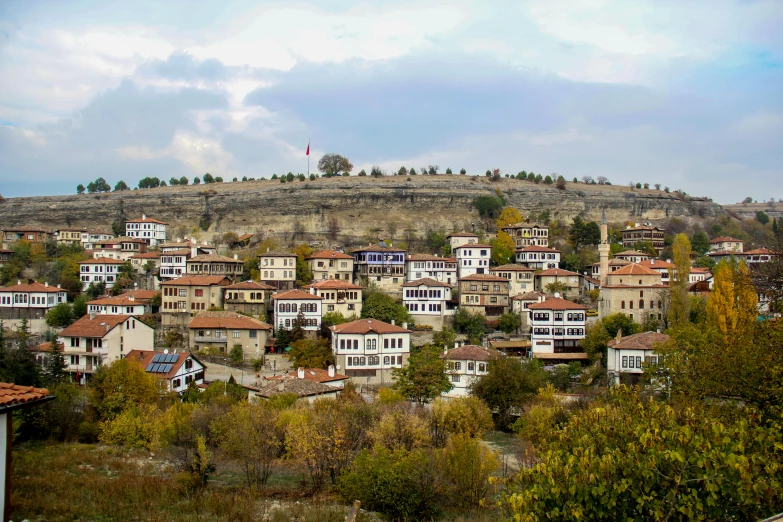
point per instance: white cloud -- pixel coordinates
(199, 153)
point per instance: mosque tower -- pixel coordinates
(603, 249)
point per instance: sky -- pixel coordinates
(685, 94)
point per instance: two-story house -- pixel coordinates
(520, 305)
(465, 364)
(381, 264)
(426, 266)
(646, 233)
(122, 248)
(188, 295)
(557, 330)
(338, 296)
(367, 349)
(173, 263)
(626, 356)
(175, 370)
(330, 264)
(213, 264)
(96, 340)
(148, 260)
(248, 297)
(68, 236)
(90, 237)
(633, 256)
(666, 268)
(484, 293)
(288, 306)
(472, 259)
(101, 269)
(614, 264)
(635, 291)
(457, 239)
(538, 257)
(117, 305)
(520, 277)
(227, 330)
(527, 234)
(726, 244)
(428, 301)
(31, 235)
(559, 280)
(152, 231)
(277, 269)
(29, 300)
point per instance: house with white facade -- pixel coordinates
(457, 239)
(101, 269)
(367, 349)
(520, 277)
(173, 263)
(472, 259)
(426, 266)
(633, 256)
(176, 370)
(117, 305)
(520, 305)
(538, 257)
(527, 234)
(384, 265)
(557, 330)
(614, 264)
(288, 306)
(571, 283)
(90, 237)
(330, 264)
(726, 244)
(277, 269)
(428, 301)
(213, 264)
(465, 364)
(122, 248)
(338, 296)
(97, 340)
(626, 356)
(152, 231)
(29, 300)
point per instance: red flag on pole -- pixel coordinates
(308, 149)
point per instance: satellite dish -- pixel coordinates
(557, 295)
(166, 351)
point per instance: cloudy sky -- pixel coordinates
(686, 94)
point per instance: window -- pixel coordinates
(638, 361)
(455, 378)
(471, 366)
(385, 360)
(342, 344)
(236, 334)
(183, 292)
(457, 365)
(75, 360)
(625, 362)
(622, 305)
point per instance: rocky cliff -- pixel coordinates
(360, 204)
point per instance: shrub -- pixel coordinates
(460, 416)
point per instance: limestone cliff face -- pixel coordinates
(359, 204)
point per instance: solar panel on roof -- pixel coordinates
(167, 368)
(158, 357)
(149, 368)
(172, 357)
(155, 367)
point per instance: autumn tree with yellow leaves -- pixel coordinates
(508, 216)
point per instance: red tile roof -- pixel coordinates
(426, 281)
(103, 261)
(656, 264)
(140, 295)
(724, 239)
(759, 251)
(145, 219)
(276, 254)
(296, 294)
(364, 326)
(632, 253)
(640, 341)
(643, 227)
(329, 254)
(213, 258)
(97, 326)
(536, 248)
(249, 285)
(470, 352)
(512, 267)
(31, 287)
(430, 257)
(484, 277)
(558, 272)
(473, 245)
(312, 374)
(145, 358)
(115, 301)
(632, 270)
(334, 284)
(528, 296)
(228, 320)
(12, 394)
(557, 303)
(198, 280)
(147, 255)
(377, 248)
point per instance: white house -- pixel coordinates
(103, 269)
(521, 306)
(633, 256)
(472, 259)
(421, 266)
(89, 238)
(95, 340)
(520, 277)
(458, 239)
(288, 306)
(173, 263)
(176, 370)
(465, 364)
(557, 330)
(428, 301)
(726, 244)
(152, 231)
(338, 296)
(367, 350)
(122, 248)
(538, 257)
(126, 305)
(625, 355)
(29, 300)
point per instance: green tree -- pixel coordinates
(679, 309)
(60, 316)
(502, 249)
(700, 242)
(120, 186)
(122, 385)
(55, 370)
(208, 178)
(79, 306)
(385, 308)
(472, 325)
(17, 363)
(173, 181)
(489, 206)
(306, 353)
(444, 338)
(762, 217)
(80, 189)
(236, 354)
(507, 386)
(424, 377)
(183, 180)
(334, 164)
(583, 234)
(548, 180)
(196, 180)
(509, 322)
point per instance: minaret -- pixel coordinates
(603, 249)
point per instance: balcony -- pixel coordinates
(210, 339)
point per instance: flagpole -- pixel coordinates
(308, 157)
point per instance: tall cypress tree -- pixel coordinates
(55, 365)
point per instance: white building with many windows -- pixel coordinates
(426, 266)
(538, 257)
(338, 296)
(472, 259)
(465, 364)
(458, 239)
(625, 356)
(115, 305)
(557, 330)
(152, 231)
(520, 277)
(277, 269)
(176, 370)
(288, 306)
(101, 269)
(367, 350)
(428, 301)
(29, 300)
(528, 234)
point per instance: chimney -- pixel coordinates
(619, 335)
(143, 216)
(652, 261)
(300, 373)
(46, 284)
(92, 316)
(107, 327)
(18, 281)
(405, 325)
(58, 286)
(281, 387)
(393, 322)
(330, 370)
(236, 256)
(264, 381)
(267, 250)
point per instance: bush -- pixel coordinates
(460, 416)
(468, 464)
(136, 427)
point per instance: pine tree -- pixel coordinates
(55, 365)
